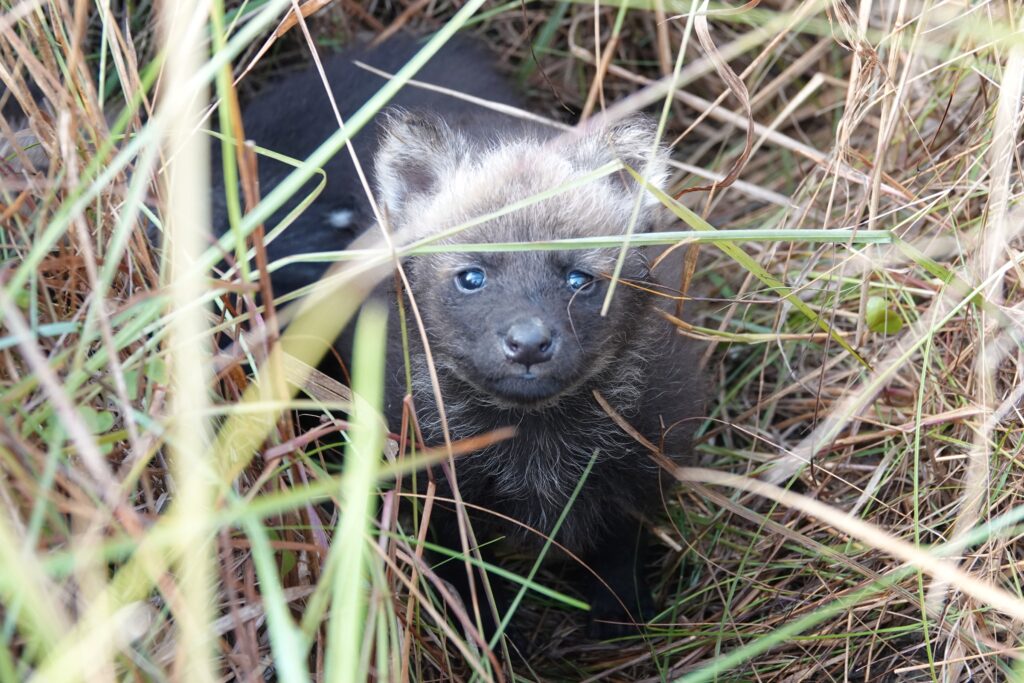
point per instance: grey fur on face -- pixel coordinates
(432, 179)
(431, 176)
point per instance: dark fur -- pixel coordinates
(439, 163)
(294, 116)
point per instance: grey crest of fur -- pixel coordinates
(423, 163)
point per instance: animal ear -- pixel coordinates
(417, 150)
(632, 141)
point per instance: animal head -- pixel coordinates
(521, 328)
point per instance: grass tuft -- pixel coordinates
(849, 186)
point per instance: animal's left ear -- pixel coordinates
(632, 142)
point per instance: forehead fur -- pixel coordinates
(439, 180)
(517, 172)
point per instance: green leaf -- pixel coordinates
(156, 370)
(98, 421)
(881, 318)
(288, 561)
(23, 298)
(131, 380)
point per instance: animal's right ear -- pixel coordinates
(417, 150)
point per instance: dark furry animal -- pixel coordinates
(517, 337)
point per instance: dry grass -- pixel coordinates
(151, 529)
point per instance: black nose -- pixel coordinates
(528, 343)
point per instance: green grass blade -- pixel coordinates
(351, 578)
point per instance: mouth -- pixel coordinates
(526, 389)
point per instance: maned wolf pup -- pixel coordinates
(517, 337)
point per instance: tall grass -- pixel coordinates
(849, 216)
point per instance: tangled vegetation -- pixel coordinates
(854, 512)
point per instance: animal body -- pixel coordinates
(517, 338)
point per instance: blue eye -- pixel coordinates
(577, 280)
(471, 279)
